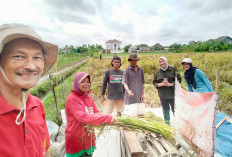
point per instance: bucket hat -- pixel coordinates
(133, 56)
(9, 32)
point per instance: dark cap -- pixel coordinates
(133, 56)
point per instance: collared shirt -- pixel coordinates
(29, 139)
(166, 92)
(135, 81)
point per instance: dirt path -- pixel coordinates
(44, 78)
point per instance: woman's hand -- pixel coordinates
(162, 84)
(170, 84)
(113, 121)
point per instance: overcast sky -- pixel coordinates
(76, 22)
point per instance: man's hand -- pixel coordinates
(142, 97)
(131, 94)
(102, 99)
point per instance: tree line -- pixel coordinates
(192, 46)
(201, 46)
(91, 49)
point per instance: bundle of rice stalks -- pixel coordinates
(150, 123)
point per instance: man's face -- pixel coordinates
(133, 63)
(116, 64)
(23, 62)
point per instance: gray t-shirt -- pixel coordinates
(115, 87)
(135, 81)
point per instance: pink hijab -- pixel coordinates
(77, 80)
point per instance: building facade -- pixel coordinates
(114, 45)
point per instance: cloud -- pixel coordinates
(75, 22)
(87, 7)
(74, 11)
(67, 16)
(195, 20)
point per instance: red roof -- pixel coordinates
(220, 38)
(113, 41)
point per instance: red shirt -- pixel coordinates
(79, 112)
(30, 138)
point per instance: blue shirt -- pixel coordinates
(202, 82)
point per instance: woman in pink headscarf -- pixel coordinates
(80, 111)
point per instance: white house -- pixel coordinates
(65, 50)
(114, 45)
(132, 49)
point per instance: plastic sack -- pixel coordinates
(196, 119)
(133, 110)
(140, 109)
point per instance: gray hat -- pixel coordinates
(9, 32)
(133, 56)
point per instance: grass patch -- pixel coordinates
(64, 60)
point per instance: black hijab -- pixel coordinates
(189, 75)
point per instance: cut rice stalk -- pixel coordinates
(150, 123)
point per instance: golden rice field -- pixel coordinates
(207, 62)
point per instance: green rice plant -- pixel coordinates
(154, 127)
(150, 123)
(64, 60)
(150, 116)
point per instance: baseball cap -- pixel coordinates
(186, 60)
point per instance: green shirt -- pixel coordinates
(170, 74)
